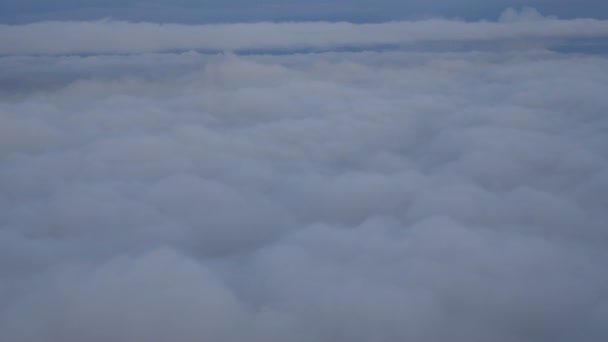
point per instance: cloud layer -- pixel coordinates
(109, 36)
(337, 196)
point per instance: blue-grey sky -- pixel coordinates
(204, 11)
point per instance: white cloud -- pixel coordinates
(526, 14)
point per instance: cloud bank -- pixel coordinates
(108, 36)
(336, 196)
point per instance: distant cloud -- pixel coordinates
(526, 14)
(109, 36)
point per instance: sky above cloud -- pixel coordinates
(418, 180)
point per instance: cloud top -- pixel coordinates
(356, 196)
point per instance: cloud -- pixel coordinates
(385, 195)
(108, 36)
(526, 14)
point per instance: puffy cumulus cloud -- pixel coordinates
(526, 14)
(157, 296)
(337, 196)
(108, 36)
